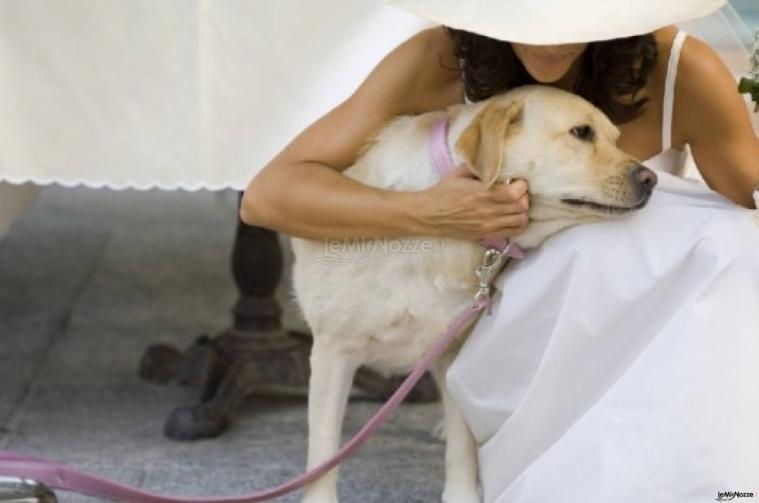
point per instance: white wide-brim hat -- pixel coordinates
(549, 22)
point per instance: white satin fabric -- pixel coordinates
(620, 361)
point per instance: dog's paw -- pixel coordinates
(318, 498)
(438, 432)
(461, 495)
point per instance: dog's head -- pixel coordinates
(564, 147)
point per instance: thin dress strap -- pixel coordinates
(669, 91)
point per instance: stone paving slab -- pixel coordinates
(89, 278)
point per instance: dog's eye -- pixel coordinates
(584, 133)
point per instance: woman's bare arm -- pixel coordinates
(717, 124)
(302, 191)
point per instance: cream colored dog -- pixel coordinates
(383, 304)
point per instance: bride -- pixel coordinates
(619, 363)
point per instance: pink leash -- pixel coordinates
(62, 477)
(59, 476)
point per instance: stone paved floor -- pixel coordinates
(88, 278)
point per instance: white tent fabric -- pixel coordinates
(185, 93)
(619, 363)
(178, 93)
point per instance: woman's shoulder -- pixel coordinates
(435, 69)
(410, 79)
(699, 66)
(705, 89)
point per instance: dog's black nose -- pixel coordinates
(645, 178)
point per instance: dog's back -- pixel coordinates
(386, 297)
(396, 156)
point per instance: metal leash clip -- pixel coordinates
(20, 490)
(488, 269)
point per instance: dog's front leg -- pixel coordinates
(329, 387)
(461, 469)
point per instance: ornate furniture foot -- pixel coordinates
(255, 355)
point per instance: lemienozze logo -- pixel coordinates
(731, 495)
(358, 250)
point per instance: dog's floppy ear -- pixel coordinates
(481, 143)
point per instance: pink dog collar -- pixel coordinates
(444, 165)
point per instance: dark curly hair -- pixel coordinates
(609, 69)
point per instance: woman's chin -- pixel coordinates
(549, 76)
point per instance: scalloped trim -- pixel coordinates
(101, 184)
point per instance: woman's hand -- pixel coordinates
(462, 207)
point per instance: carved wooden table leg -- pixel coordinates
(255, 354)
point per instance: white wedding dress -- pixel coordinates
(621, 361)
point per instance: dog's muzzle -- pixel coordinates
(644, 180)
